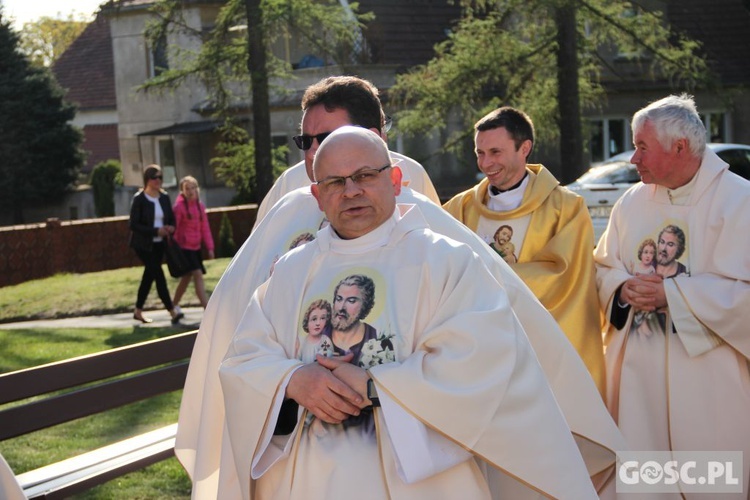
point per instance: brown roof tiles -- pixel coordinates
(86, 69)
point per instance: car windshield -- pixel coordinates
(611, 173)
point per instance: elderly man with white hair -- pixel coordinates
(678, 380)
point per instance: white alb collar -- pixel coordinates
(507, 200)
(378, 237)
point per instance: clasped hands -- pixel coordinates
(333, 389)
(644, 292)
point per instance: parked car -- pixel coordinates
(602, 185)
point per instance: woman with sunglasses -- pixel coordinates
(151, 222)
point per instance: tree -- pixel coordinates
(40, 152)
(236, 54)
(44, 40)
(257, 67)
(542, 56)
(234, 161)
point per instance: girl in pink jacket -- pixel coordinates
(192, 231)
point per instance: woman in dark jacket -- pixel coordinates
(151, 223)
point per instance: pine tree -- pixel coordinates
(40, 154)
(543, 56)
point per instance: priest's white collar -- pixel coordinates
(507, 200)
(405, 218)
(681, 195)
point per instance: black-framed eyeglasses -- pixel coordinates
(362, 178)
(156, 177)
(304, 142)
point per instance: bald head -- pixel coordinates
(356, 185)
(348, 138)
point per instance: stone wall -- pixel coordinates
(35, 251)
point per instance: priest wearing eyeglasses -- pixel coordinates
(448, 396)
(202, 446)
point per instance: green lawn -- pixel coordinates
(77, 295)
(26, 348)
(66, 295)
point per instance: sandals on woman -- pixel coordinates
(139, 316)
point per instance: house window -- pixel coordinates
(167, 163)
(633, 14)
(157, 58)
(716, 127)
(609, 136)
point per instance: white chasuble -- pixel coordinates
(202, 445)
(414, 177)
(9, 487)
(678, 377)
(431, 342)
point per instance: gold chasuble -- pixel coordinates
(555, 259)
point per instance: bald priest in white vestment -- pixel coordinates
(295, 177)
(202, 445)
(415, 390)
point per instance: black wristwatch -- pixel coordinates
(372, 394)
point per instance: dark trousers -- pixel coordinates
(153, 272)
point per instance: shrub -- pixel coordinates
(226, 247)
(103, 179)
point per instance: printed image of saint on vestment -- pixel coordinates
(317, 319)
(300, 239)
(659, 257)
(338, 328)
(502, 245)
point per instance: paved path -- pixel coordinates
(161, 319)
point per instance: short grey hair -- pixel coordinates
(674, 117)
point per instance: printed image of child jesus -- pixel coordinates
(645, 322)
(646, 258)
(316, 321)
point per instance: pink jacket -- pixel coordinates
(192, 225)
